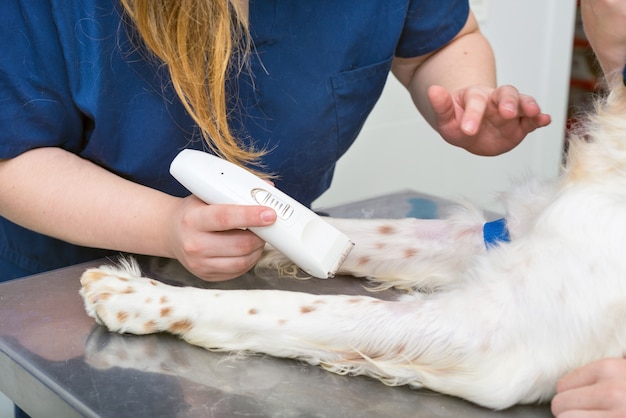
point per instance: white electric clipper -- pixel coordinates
(306, 239)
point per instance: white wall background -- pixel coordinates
(397, 150)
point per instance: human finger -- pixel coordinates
(528, 106)
(576, 399)
(474, 104)
(230, 217)
(214, 268)
(507, 100)
(442, 104)
(591, 373)
(602, 396)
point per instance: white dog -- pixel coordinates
(496, 325)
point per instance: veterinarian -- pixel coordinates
(599, 389)
(98, 97)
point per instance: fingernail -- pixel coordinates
(268, 216)
(468, 127)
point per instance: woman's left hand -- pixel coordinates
(484, 120)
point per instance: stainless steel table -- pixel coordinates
(55, 362)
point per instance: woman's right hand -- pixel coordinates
(103, 210)
(210, 240)
(597, 389)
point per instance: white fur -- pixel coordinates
(496, 327)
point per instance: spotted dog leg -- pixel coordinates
(419, 341)
(280, 323)
(412, 254)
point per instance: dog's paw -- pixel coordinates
(124, 301)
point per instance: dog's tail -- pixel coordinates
(597, 145)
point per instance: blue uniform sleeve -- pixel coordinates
(430, 25)
(37, 107)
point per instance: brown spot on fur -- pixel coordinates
(102, 296)
(122, 316)
(282, 321)
(380, 245)
(163, 300)
(252, 311)
(180, 326)
(385, 229)
(148, 300)
(165, 312)
(122, 279)
(467, 232)
(153, 282)
(94, 275)
(129, 289)
(363, 260)
(150, 326)
(307, 309)
(410, 253)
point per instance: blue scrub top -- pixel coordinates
(71, 78)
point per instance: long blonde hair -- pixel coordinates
(197, 40)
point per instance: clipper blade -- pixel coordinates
(341, 259)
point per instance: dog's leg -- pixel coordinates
(431, 342)
(404, 253)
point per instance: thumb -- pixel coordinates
(441, 102)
